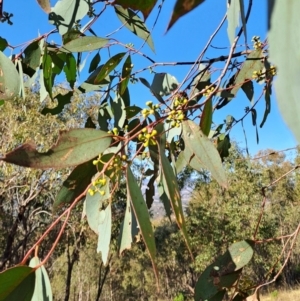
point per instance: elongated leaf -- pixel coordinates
(84, 44)
(142, 216)
(206, 118)
(126, 71)
(268, 92)
(146, 83)
(284, 53)
(66, 12)
(75, 184)
(58, 61)
(45, 5)
(72, 148)
(181, 8)
(70, 69)
(203, 151)
(164, 84)
(118, 108)
(243, 18)
(47, 72)
(145, 6)
(134, 23)
(104, 230)
(32, 55)
(17, 281)
(233, 18)
(62, 101)
(94, 62)
(248, 88)
(171, 188)
(42, 288)
(94, 205)
(110, 65)
(8, 88)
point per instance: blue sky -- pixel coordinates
(183, 42)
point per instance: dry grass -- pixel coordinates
(282, 295)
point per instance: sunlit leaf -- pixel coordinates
(206, 117)
(284, 54)
(134, 23)
(126, 71)
(66, 12)
(142, 216)
(203, 151)
(17, 281)
(75, 184)
(104, 233)
(8, 88)
(70, 69)
(181, 8)
(145, 6)
(58, 61)
(84, 44)
(45, 5)
(42, 288)
(110, 65)
(72, 148)
(164, 84)
(233, 18)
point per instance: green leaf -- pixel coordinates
(47, 72)
(223, 145)
(142, 216)
(118, 109)
(32, 55)
(110, 65)
(248, 88)
(134, 23)
(171, 188)
(146, 83)
(3, 44)
(243, 18)
(104, 230)
(145, 6)
(224, 271)
(181, 8)
(72, 148)
(70, 69)
(172, 131)
(284, 54)
(94, 205)
(94, 62)
(1, 102)
(71, 35)
(203, 151)
(164, 84)
(233, 18)
(17, 281)
(132, 111)
(8, 88)
(66, 12)
(75, 184)
(42, 288)
(84, 44)
(62, 101)
(206, 118)
(45, 5)
(126, 71)
(165, 200)
(150, 191)
(268, 92)
(58, 60)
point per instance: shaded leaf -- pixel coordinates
(150, 191)
(58, 60)
(66, 12)
(145, 6)
(223, 145)
(110, 65)
(268, 92)
(45, 5)
(181, 8)
(284, 53)
(62, 101)
(146, 83)
(132, 111)
(84, 44)
(142, 216)
(233, 18)
(248, 88)
(126, 71)
(203, 150)
(42, 288)
(17, 281)
(72, 148)
(94, 62)
(171, 188)
(165, 200)
(70, 69)
(32, 55)
(118, 106)
(164, 84)
(8, 88)
(104, 233)
(206, 118)
(75, 184)
(134, 23)
(47, 73)
(3, 44)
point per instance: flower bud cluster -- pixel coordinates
(257, 44)
(175, 118)
(147, 137)
(114, 131)
(151, 110)
(258, 75)
(208, 91)
(98, 186)
(179, 102)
